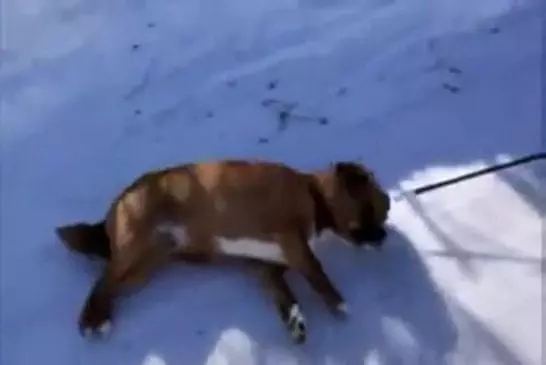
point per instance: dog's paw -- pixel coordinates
(296, 324)
(341, 311)
(95, 324)
(102, 331)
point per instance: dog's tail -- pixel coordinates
(85, 238)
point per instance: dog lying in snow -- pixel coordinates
(264, 212)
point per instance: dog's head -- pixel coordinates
(360, 206)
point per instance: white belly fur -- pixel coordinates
(252, 249)
(242, 247)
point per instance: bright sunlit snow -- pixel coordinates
(96, 92)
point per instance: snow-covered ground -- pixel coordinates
(96, 92)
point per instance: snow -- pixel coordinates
(95, 93)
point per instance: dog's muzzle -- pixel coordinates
(373, 237)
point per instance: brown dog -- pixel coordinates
(260, 211)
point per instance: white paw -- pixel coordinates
(342, 308)
(105, 328)
(102, 331)
(296, 324)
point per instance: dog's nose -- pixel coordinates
(377, 235)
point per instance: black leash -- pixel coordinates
(440, 184)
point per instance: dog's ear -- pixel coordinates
(351, 174)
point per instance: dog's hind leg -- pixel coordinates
(97, 313)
